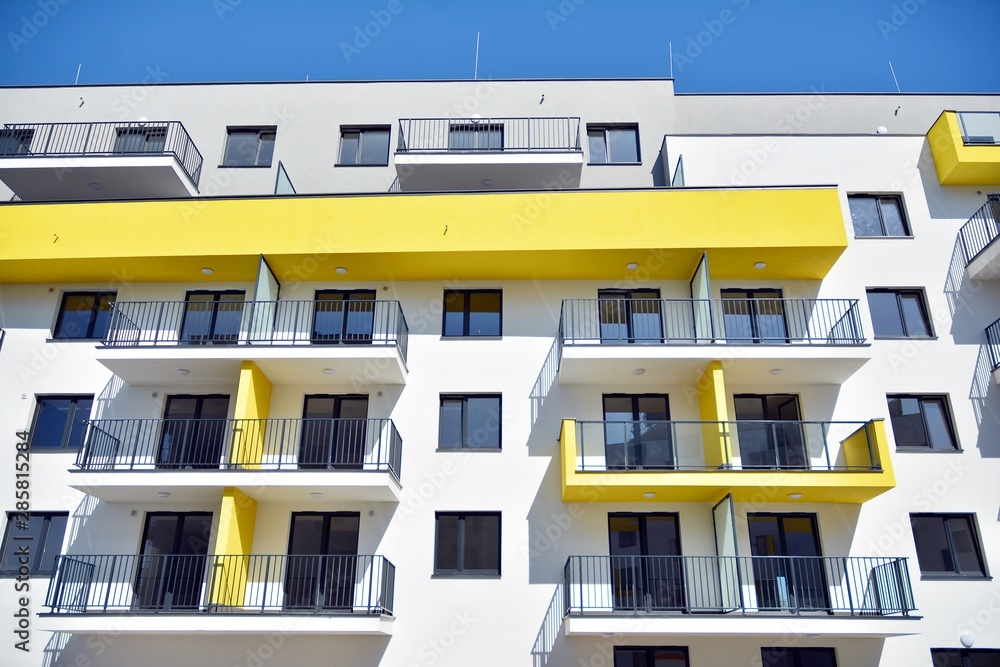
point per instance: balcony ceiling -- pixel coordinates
(95, 178)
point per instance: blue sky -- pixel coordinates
(719, 45)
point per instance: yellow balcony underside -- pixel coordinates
(773, 486)
(798, 232)
(959, 164)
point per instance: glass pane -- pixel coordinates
(646, 320)
(777, 657)
(50, 424)
(630, 657)
(74, 321)
(885, 314)
(654, 435)
(800, 536)
(892, 216)
(619, 444)
(343, 535)
(614, 306)
(932, 544)
(53, 542)
(328, 318)
(737, 317)
(79, 427)
(981, 128)
(914, 315)
(938, 426)
(947, 658)
(483, 422)
(450, 429)
(770, 316)
(307, 534)
(598, 151)
(446, 548)
(461, 138)
(454, 314)
(662, 538)
(349, 142)
(816, 657)
(964, 541)
(241, 149)
(482, 542)
(266, 151)
(669, 657)
(907, 422)
(228, 317)
(484, 314)
(360, 317)
(375, 147)
(764, 540)
(623, 144)
(624, 532)
(864, 214)
(32, 531)
(985, 658)
(103, 315)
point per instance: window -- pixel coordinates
(947, 545)
(84, 315)
(141, 139)
(782, 656)
(651, 656)
(899, 313)
(249, 147)
(613, 144)
(921, 421)
(364, 145)
(472, 312)
(470, 422)
(878, 215)
(467, 543)
(212, 317)
(60, 422)
(41, 535)
(16, 142)
(953, 657)
(484, 135)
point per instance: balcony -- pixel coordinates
(811, 340)
(647, 595)
(977, 238)
(96, 161)
(701, 461)
(282, 460)
(993, 349)
(461, 154)
(966, 147)
(362, 342)
(220, 594)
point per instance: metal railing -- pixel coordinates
(980, 127)
(106, 139)
(724, 321)
(137, 323)
(993, 344)
(860, 586)
(241, 444)
(461, 135)
(981, 230)
(613, 446)
(231, 584)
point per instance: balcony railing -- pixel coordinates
(993, 344)
(103, 139)
(981, 229)
(621, 446)
(859, 586)
(241, 444)
(725, 321)
(464, 135)
(231, 584)
(138, 323)
(980, 127)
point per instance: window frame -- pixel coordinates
(261, 130)
(881, 217)
(467, 311)
(360, 130)
(977, 542)
(964, 654)
(949, 423)
(94, 309)
(36, 553)
(461, 570)
(796, 654)
(465, 446)
(67, 427)
(604, 127)
(649, 650)
(899, 292)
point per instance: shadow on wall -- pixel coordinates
(543, 651)
(984, 396)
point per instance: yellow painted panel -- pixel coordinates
(253, 402)
(234, 541)
(957, 163)
(798, 232)
(712, 401)
(858, 450)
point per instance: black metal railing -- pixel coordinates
(857, 585)
(232, 584)
(741, 445)
(724, 321)
(241, 444)
(136, 323)
(461, 135)
(993, 344)
(105, 139)
(981, 230)
(980, 128)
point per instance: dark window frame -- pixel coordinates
(360, 130)
(977, 543)
(899, 292)
(465, 446)
(604, 127)
(948, 417)
(94, 309)
(964, 654)
(466, 312)
(898, 198)
(796, 654)
(67, 427)
(461, 570)
(36, 552)
(650, 658)
(261, 131)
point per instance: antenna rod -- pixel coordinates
(894, 77)
(78, 68)
(475, 74)
(671, 59)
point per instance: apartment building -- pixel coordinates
(536, 372)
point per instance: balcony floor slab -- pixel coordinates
(750, 625)
(215, 624)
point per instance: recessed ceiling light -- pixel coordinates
(639, 371)
(631, 266)
(329, 371)
(207, 271)
(341, 270)
(488, 182)
(760, 265)
(96, 186)
(777, 371)
(182, 371)
(315, 494)
(649, 494)
(163, 494)
(794, 496)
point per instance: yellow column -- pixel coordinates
(253, 402)
(233, 542)
(712, 401)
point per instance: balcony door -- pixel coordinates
(754, 316)
(334, 432)
(212, 317)
(787, 565)
(475, 136)
(766, 442)
(171, 563)
(140, 139)
(344, 316)
(636, 432)
(322, 561)
(193, 432)
(647, 571)
(630, 316)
